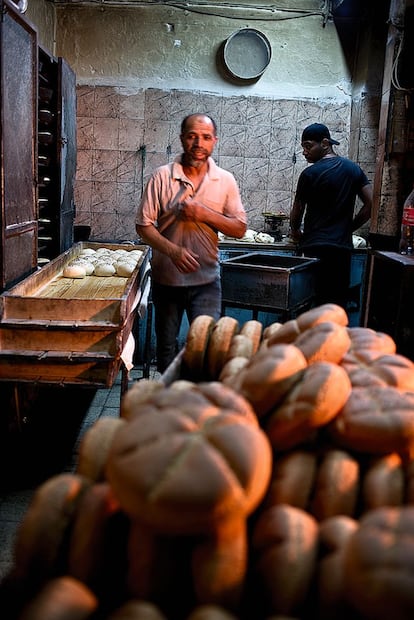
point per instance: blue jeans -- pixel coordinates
(170, 303)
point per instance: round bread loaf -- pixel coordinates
(92, 552)
(388, 369)
(181, 384)
(284, 546)
(231, 370)
(269, 376)
(137, 610)
(321, 314)
(335, 531)
(158, 569)
(336, 486)
(376, 420)
(292, 479)
(94, 447)
(383, 483)
(140, 392)
(369, 344)
(183, 464)
(253, 330)
(292, 329)
(379, 564)
(62, 598)
(42, 532)
(219, 344)
(196, 343)
(283, 333)
(325, 341)
(210, 612)
(219, 565)
(184, 394)
(318, 394)
(224, 397)
(333, 536)
(409, 478)
(269, 330)
(240, 346)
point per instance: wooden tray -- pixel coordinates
(56, 329)
(46, 294)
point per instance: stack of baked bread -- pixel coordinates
(273, 479)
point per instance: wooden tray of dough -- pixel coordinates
(47, 295)
(57, 329)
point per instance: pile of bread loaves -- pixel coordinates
(273, 479)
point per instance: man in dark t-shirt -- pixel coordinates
(325, 200)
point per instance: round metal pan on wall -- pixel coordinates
(245, 55)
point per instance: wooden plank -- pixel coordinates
(82, 373)
(55, 326)
(109, 340)
(35, 308)
(98, 369)
(55, 355)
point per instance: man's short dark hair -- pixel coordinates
(184, 122)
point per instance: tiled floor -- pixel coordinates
(49, 447)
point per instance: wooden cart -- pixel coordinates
(58, 330)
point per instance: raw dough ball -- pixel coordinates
(89, 267)
(87, 252)
(136, 253)
(74, 271)
(104, 269)
(101, 252)
(124, 269)
(85, 263)
(121, 253)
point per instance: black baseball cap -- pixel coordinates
(316, 133)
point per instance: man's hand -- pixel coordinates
(185, 260)
(191, 210)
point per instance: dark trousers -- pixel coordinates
(170, 303)
(333, 274)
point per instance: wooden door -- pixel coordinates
(18, 154)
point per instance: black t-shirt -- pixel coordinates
(329, 188)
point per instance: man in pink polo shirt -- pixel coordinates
(184, 205)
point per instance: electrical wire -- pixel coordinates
(206, 8)
(395, 81)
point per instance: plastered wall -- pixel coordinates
(141, 70)
(165, 47)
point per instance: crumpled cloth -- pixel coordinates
(359, 242)
(141, 303)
